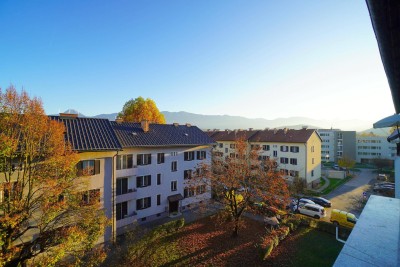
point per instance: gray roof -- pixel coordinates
(132, 135)
(385, 18)
(89, 134)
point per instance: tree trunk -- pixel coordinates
(235, 232)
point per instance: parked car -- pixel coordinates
(303, 201)
(383, 187)
(320, 201)
(312, 210)
(336, 167)
(381, 177)
(343, 218)
(383, 183)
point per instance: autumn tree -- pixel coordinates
(240, 181)
(346, 162)
(42, 217)
(381, 163)
(139, 109)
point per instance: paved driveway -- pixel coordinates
(348, 196)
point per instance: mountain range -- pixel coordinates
(223, 122)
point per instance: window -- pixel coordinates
(284, 148)
(158, 200)
(284, 160)
(294, 149)
(201, 155)
(293, 161)
(143, 159)
(265, 147)
(200, 189)
(187, 174)
(158, 178)
(143, 181)
(174, 185)
(143, 203)
(122, 210)
(174, 166)
(160, 158)
(174, 154)
(8, 190)
(226, 150)
(312, 161)
(122, 186)
(124, 162)
(312, 148)
(232, 155)
(188, 192)
(88, 167)
(233, 146)
(188, 156)
(220, 145)
(312, 173)
(255, 147)
(91, 196)
(275, 153)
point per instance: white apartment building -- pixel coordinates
(297, 152)
(139, 171)
(371, 147)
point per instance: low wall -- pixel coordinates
(336, 174)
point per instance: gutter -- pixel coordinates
(337, 236)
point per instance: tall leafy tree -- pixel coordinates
(42, 217)
(139, 109)
(240, 181)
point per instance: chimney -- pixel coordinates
(176, 124)
(145, 126)
(275, 131)
(285, 130)
(188, 125)
(119, 120)
(304, 127)
(68, 115)
(250, 129)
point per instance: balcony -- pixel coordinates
(128, 219)
(130, 195)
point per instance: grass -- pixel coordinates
(205, 243)
(311, 248)
(334, 183)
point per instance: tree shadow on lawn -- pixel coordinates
(204, 243)
(306, 247)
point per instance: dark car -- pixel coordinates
(320, 201)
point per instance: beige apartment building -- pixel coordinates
(297, 152)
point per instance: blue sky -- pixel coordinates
(258, 59)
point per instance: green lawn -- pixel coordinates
(315, 248)
(333, 183)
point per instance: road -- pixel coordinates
(349, 195)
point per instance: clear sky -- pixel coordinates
(256, 58)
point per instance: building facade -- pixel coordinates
(297, 152)
(337, 144)
(139, 171)
(370, 147)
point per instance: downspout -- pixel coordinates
(337, 236)
(113, 225)
(305, 145)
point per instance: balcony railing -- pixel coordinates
(130, 195)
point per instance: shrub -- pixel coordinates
(271, 240)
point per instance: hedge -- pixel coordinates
(290, 224)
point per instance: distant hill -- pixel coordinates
(237, 122)
(379, 131)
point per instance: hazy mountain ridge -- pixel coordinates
(237, 122)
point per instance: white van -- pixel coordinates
(312, 210)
